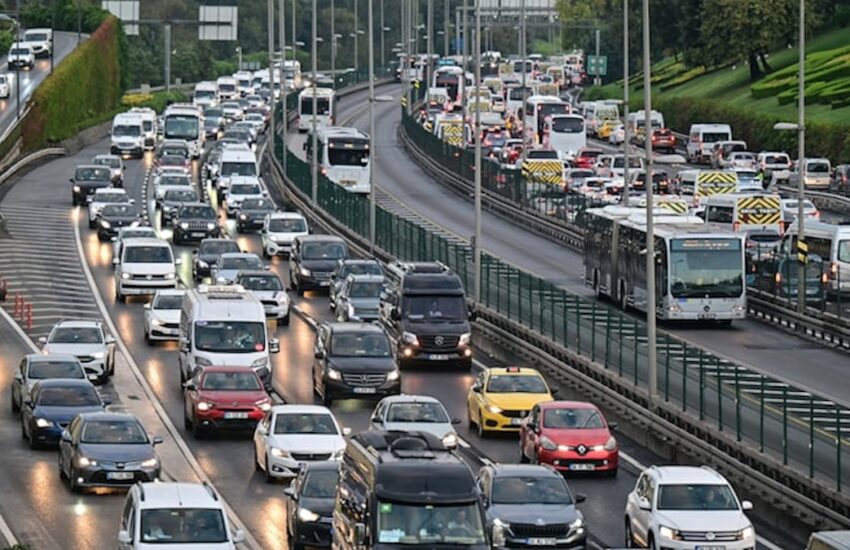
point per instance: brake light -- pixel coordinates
(736, 226)
(778, 279)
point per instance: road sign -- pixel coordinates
(597, 65)
(125, 10)
(218, 22)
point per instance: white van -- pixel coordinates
(227, 88)
(701, 140)
(145, 267)
(40, 40)
(205, 94)
(235, 161)
(244, 82)
(744, 212)
(637, 121)
(325, 108)
(128, 136)
(148, 117)
(829, 241)
(818, 171)
(224, 325)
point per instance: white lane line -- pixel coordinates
(148, 390)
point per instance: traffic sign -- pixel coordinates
(597, 65)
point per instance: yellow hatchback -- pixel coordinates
(501, 397)
(606, 128)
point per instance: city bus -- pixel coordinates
(343, 157)
(565, 133)
(450, 78)
(699, 274)
(325, 108)
(538, 108)
(185, 122)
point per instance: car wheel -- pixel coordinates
(269, 477)
(285, 320)
(482, 433)
(257, 466)
(612, 473)
(32, 441)
(92, 223)
(630, 540)
(652, 542)
(72, 481)
(120, 297)
(327, 398)
(16, 406)
(103, 378)
(147, 337)
(23, 431)
(197, 430)
(522, 458)
(112, 366)
(61, 469)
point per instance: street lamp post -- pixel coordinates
(271, 71)
(626, 185)
(477, 238)
(356, 32)
(372, 148)
(383, 30)
(314, 172)
(333, 43)
(651, 342)
(283, 92)
(430, 37)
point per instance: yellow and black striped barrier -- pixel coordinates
(543, 171)
(712, 182)
(453, 134)
(760, 210)
(404, 101)
(802, 251)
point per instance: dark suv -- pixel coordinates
(313, 259)
(354, 360)
(87, 178)
(252, 214)
(195, 221)
(208, 253)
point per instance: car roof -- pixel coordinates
(64, 383)
(225, 368)
(105, 190)
(323, 466)
(568, 405)
(239, 255)
(170, 292)
(287, 215)
(146, 241)
(410, 398)
(521, 371)
(320, 238)
(299, 409)
(97, 166)
(514, 470)
(366, 278)
(678, 475)
(107, 156)
(257, 273)
(177, 495)
(349, 328)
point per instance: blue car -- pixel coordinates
(52, 405)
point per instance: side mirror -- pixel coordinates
(124, 537)
(115, 261)
(132, 201)
(290, 492)
(28, 403)
(274, 345)
(473, 313)
(476, 388)
(644, 504)
(456, 421)
(319, 354)
(267, 267)
(184, 346)
(346, 431)
(106, 402)
(66, 436)
(261, 429)
(359, 534)
(613, 426)
(746, 506)
(157, 440)
(42, 339)
(395, 315)
(189, 386)
(147, 306)
(110, 339)
(238, 536)
(71, 180)
(178, 261)
(554, 391)
(376, 419)
(580, 497)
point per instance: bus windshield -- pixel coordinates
(348, 156)
(181, 127)
(711, 267)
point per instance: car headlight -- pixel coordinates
(204, 406)
(264, 405)
(282, 298)
(307, 516)
(105, 224)
(450, 440)
(243, 217)
(337, 454)
(170, 276)
(305, 272)
(156, 322)
(280, 453)
(746, 533)
(98, 355)
(548, 444)
(334, 374)
(465, 338)
(409, 338)
(43, 423)
(499, 529)
(494, 409)
(611, 444)
(84, 462)
(203, 264)
(184, 225)
(578, 523)
(668, 533)
(393, 375)
(125, 276)
(77, 189)
(150, 463)
(210, 226)
(261, 362)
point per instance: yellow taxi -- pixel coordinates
(606, 128)
(501, 397)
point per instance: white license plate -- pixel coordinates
(198, 234)
(364, 390)
(582, 467)
(438, 357)
(542, 542)
(235, 415)
(712, 547)
(516, 421)
(324, 283)
(119, 475)
(707, 316)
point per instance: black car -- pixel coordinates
(52, 405)
(115, 216)
(354, 360)
(173, 199)
(252, 213)
(102, 449)
(86, 179)
(531, 506)
(37, 366)
(313, 259)
(208, 253)
(310, 504)
(195, 221)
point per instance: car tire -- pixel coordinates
(630, 540)
(522, 458)
(651, 542)
(482, 433)
(23, 431)
(148, 338)
(102, 379)
(197, 430)
(92, 224)
(267, 472)
(61, 470)
(72, 481)
(16, 407)
(612, 473)
(327, 398)
(285, 320)
(257, 466)
(33, 444)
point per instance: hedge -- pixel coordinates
(157, 101)
(83, 87)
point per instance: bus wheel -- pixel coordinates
(624, 302)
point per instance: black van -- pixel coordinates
(398, 489)
(423, 307)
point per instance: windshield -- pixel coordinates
(305, 423)
(227, 87)
(634, 162)
(147, 254)
(287, 225)
(530, 490)
(574, 419)
(817, 167)
(211, 112)
(112, 162)
(776, 159)
(258, 204)
(365, 290)
(138, 232)
(764, 237)
(172, 160)
(706, 267)
(35, 37)
(71, 396)
(76, 335)
(360, 345)
(320, 484)
(844, 251)
(40, 370)
(261, 282)
(230, 337)
(348, 157)
(20, 51)
(417, 412)
(323, 251)
(218, 247)
(711, 137)
(181, 127)
(110, 197)
(406, 524)
(696, 497)
(119, 210)
(241, 380)
(113, 432)
(93, 174)
(197, 212)
(323, 105)
(168, 301)
(126, 131)
(181, 195)
(444, 308)
(204, 94)
(175, 180)
(516, 383)
(568, 125)
(365, 268)
(242, 263)
(182, 525)
(245, 189)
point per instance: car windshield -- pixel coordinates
(126, 131)
(551, 155)
(241, 263)
(172, 160)
(168, 301)
(775, 159)
(817, 167)
(245, 189)
(41, 370)
(181, 195)
(634, 162)
(258, 204)
(204, 94)
(218, 247)
(137, 233)
(261, 282)
(92, 174)
(175, 180)
(197, 212)
(76, 335)
(417, 412)
(323, 105)
(69, 396)
(365, 289)
(348, 157)
(320, 484)
(278, 225)
(213, 113)
(173, 151)
(147, 254)
(113, 432)
(35, 37)
(370, 268)
(516, 383)
(305, 423)
(573, 419)
(20, 51)
(182, 526)
(242, 380)
(231, 106)
(764, 237)
(323, 251)
(112, 162)
(706, 268)
(428, 524)
(360, 345)
(696, 497)
(230, 336)
(238, 169)
(444, 308)
(530, 490)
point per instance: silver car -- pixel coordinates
(420, 413)
(37, 366)
(359, 298)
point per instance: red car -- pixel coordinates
(224, 398)
(664, 140)
(586, 158)
(571, 436)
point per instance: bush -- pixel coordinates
(157, 101)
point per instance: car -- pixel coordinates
(292, 435)
(86, 180)
(145, 266)
(774, 164)
(208, 253)
(85, 340)
(258, 120)
(101, 198)
(106, 449)
(40, 40)
(20, 55)
(279, 230)
(173, 164)
(739, 160)
(419, 413)
(354, 360)
(5, 86)
(150, 510)
(309, 505)
(194, 221)
(126, 233)
(35, 367)
(229, 264)
(515, 493)
(500, 398)
(670, 501)
(232, 111)
(586, 157)
(114, 217)
(663, 139)
(660, 181)
(170, 181)
(574, 178)
(241, 188)
(350, 266)
(249, 127)
(570, 436)
(617, 135)
(252, 213)
(213, 122)
(52, 405)
(173, 199)
(840, 180)
(173, 148)
(359, 298)
(313, 259)
(224, 398)
(115, 164)
(269, 290)
(162, 316)
(791, 208)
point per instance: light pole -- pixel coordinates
(626, 185)
(271, 71)
(430, 37)
(384, 30)
(477, 238)
(294, 41)
(356, 32)
(372, 148)
(4, 17)
(239, 56)
(651, 342)
(282, 6)
(333, 43)
(447, 15)
(314, 165)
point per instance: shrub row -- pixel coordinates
(157, 101)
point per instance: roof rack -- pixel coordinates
(141, 487)
(420, 267)
(210, 490)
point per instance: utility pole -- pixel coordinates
(447, 15)
(651, 341)
(79, 22)
(372, 149)
(167, 33)
(315, 153)
(356, 33)
(283, 91)
(383, 39)
(462, 82)
(626, 186)
(271, 73)
(477, 239)
(524, 56)
(801, 159)
(597, 80)
(294, 41)
(333, 43)
(430, 51)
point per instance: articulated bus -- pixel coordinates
(699, 274)
(343, 157)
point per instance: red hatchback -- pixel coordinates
(586, 157)
(571, 436)
(224, 398)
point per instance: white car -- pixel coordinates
(232, 110)
(88, 342)
(40, 40)
(408, 413)
(5, 86)
(162, 316)
(144, 267)
(791, 207)
(170, 180)
(267, 287)
(20, 55)
(279, 230)
(229, 264)
(140, 231)
(104, 196)
(678, 507)
(241, 188)
(291, 435)
(617, 135)
(258, 120)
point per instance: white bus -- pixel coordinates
(205, 95)
(565, 133)
(292, 74)
(538, 108)
(343, 157)
(186, 122)
(325, 108)
(227, 88)
(700, 274)
(451, 79)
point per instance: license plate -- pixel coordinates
(712, 547)
(119, 475)
(364, 390)
(235, 415)
(324, 283)
(198, 234)
(582, 467)
(707, 316)
(516, 421)
(438, 357)
(542, 542)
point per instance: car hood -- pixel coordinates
(533, 513)
(117, 453)
(255, 213)
(145, 269)
(322, 506)
(122, 220)
(578, 437)
(93, 184)
(267, 294)
(691, 520)
(74, 349)
(308, 443)
(360, 364)
(62, 414)
(318, 265)
(285, 237)
(233, 398)
(438, 430)
(166, 315)
(227, 274)
(364, 303)
(185, 546)
(434, 326)
(517, 401)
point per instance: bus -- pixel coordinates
(205, 94)
(450, 78)
(292, 74)
(186, 122)
(343, 157)
(325, 108)
(565, 133)
(227, 88)
(538, 108)
(699, 274)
